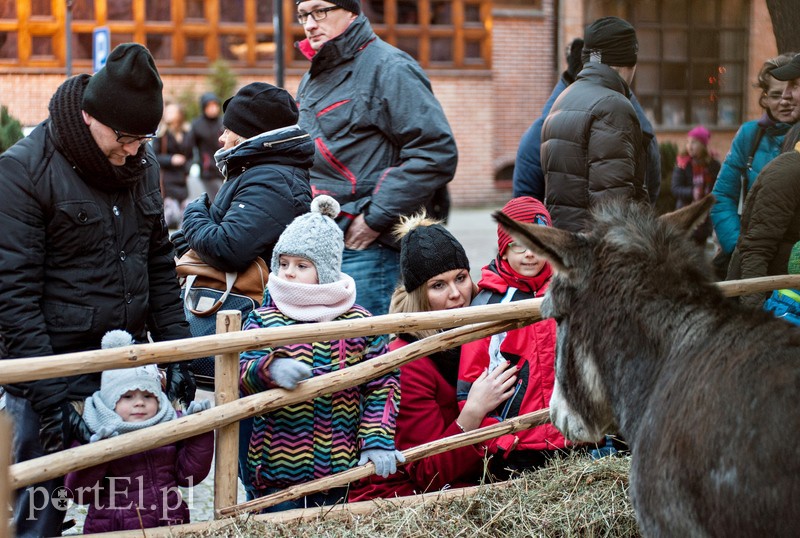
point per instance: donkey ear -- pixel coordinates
(557, 246)
(690, 217)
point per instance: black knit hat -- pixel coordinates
(427, 251)
(611, 41)
(126, 93)
(257, 108)
(349, 5)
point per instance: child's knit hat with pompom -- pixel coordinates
(316, 237)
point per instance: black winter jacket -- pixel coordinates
(78, 261)
(384, 145)
(267, 187)
(592, 147)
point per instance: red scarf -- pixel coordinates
(498, 276)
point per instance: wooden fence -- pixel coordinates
(466, 324)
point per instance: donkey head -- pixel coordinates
(591, 270)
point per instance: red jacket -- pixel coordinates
(532, 348)
(428, 411)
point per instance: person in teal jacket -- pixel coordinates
(770, 129)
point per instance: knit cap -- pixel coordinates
(524, 209)
(350, 5)
(427, 249)
(126, 93)
(115, 383)
(611, 41)
(316, 237)
(701, 134)
(257, 108)
(794, 260)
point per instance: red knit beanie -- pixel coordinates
(524, 209)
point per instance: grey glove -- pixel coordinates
(197, 406)
(287, 373)
(103, 433)
(385, 460)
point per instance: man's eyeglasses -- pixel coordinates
(126, 139)
(316, 14)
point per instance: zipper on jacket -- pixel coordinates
(298, 137)
(335, 163)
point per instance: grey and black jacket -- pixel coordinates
(384, 146)
(592, 147)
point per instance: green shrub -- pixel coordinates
(222, 80)
(10, 129)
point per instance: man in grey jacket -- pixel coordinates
(384, 147)
(593, 147)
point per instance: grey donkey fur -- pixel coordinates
(704, 390)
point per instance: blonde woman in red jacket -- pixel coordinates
(435, 275)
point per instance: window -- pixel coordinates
(193, 33)
(691, 66)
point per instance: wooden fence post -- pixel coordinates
(226, 385)
(5, 461)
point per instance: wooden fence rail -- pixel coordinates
(471, 324)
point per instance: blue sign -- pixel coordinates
(101, 47)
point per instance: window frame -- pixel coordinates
(252, 34)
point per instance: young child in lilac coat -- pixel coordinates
(141, 490)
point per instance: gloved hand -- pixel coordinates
(180, 383)
(60, 425)
(180, 243)
(287, 373)
(197, 406)
(103, 433)
(385, 460)
(574, 59)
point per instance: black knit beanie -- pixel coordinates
(349, 5)
(611, 41)
(257, 108)
(126, 93)
(427, 251)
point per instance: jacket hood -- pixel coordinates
(290, 146)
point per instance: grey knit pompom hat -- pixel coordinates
(316, 237)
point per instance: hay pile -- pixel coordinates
(572, 497)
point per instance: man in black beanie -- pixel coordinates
(85, 251)
(593, 146)
(384, 146)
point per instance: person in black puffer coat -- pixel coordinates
(593, 147)
(85, 250)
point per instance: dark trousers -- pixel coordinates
(37, 511)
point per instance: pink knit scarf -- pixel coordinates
(312, 302)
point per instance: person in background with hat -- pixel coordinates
(85, 249)
(435, 276)
(204, 136)
(755, 144)
(528, 177)
(333, 432)
(694, 175)
(593, 146)
(139, 491)
(384, 146)
(517, 274)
